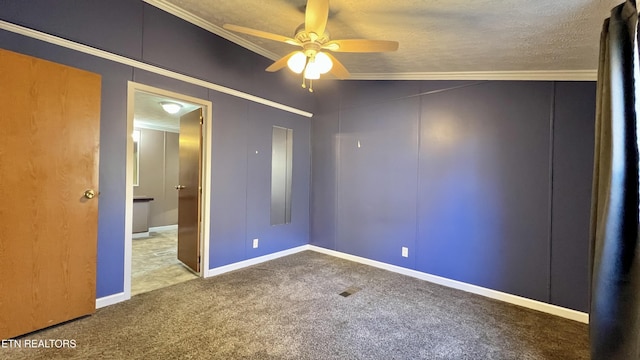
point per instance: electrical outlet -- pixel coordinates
(405, 251)
(255, 243)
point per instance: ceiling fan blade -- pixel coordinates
(280, 63)
(361, 45)
(338, 70)
(261, 34)
(316, 15)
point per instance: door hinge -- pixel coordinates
(198, 259)
(201, 120)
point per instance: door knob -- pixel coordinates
(180, 187)
(90, 194)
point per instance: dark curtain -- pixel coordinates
(614, 322)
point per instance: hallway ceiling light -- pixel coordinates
(171, 107)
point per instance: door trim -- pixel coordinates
(132, 87)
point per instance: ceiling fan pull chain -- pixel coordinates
(310, 85)
(304, 85)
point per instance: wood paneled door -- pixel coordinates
(190, 189)
(49, 145)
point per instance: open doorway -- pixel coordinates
(168, 180)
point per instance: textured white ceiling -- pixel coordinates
(435, 36)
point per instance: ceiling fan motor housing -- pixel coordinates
(304, 37)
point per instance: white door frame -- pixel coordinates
(205, 205)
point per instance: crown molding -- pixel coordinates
(538, 75)
(542, 75)
(200, 22)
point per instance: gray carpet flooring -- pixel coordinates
(291, 308)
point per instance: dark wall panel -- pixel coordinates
(489, 154)
(483, 201)
(484, 186)
(277, 237)
(259, 182)
(324, 158)
(572, 168)
(378, 181)
(177, 45)
(113, 145)
(354, 95)
(328, 96)
(165, 83)
(229, 180)
(83, 21)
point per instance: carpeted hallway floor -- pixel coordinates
(290, 308)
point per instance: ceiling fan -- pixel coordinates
(313, 60)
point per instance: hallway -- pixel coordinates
(155, 264)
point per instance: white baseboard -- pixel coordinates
(140, 235)
(493, 294)
(254, 261)
(110, 300)
(498, 295)
(164, 228)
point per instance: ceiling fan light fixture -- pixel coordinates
(297, 62)
(323, 62)
(171, 107)
(314, 39)
(312, 72)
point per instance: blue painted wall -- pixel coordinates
(573, 139)
(240, 181)
(377, 178)
(485, 182)
(484, 186)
